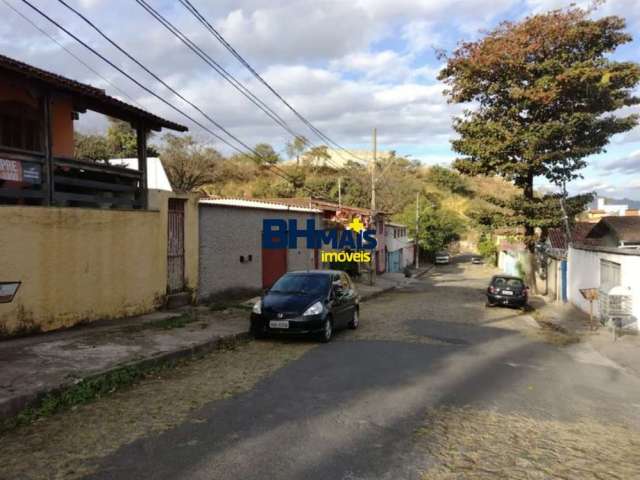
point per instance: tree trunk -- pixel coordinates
(530, 239)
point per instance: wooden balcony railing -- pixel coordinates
(74, 183)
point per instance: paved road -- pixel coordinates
(433, 384)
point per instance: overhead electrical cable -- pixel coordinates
(238, 85)
(191, 8)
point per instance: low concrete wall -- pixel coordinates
(584, 272)
(79, 264)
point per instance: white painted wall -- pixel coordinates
(584, 272)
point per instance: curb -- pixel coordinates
(17, 404)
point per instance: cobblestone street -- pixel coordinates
(433, 385)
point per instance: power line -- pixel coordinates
(189, 6)
(238, 85)
(215, 65)
(151, 92)
(57, 42)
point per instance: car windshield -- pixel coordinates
(507, 282)
(302, 284)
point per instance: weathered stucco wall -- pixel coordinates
(584, 272)
(228, 232)
(79, 264)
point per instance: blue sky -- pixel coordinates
(347, 65)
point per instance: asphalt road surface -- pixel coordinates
(432, 386)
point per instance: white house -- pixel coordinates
(609, 257)
(399, 248)
(156, 176)
(613, 209)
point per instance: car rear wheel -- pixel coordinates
(327, 331)
(355, 319)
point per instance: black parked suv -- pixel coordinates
(507, 290)
(313, 302)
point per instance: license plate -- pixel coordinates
(279, 324)
(507, 292)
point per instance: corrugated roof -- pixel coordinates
(95, 98)
(321, 204)
(259, 204)
(558, 239)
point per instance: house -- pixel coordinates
(334, 214)
(554, 258)
(622, 232)
(231, 254)
(608, 257)
(128, 248)
(399, 249)
(602, 209)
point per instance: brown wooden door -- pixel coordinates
(274, 265)
(175, 250)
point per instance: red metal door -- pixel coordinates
(274, 265)
(175, 250)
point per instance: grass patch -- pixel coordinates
(220, 306)
(164, 324)
(94, 388)
(83, 392)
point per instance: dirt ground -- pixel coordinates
(466, 443)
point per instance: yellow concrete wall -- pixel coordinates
(79, 265)
(159, 200)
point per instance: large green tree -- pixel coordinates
(543, 92)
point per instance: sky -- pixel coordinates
(346, 65)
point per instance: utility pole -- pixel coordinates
(372, 269)
(415, 237)
(340, 192)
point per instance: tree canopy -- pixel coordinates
(544, 91)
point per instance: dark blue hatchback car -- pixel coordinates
(312, 302)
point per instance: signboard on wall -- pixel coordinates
(10, 170)
(17, 171)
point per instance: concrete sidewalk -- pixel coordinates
(31, 367)
(624, 351)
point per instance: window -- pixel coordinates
(20, 126)
(609, 275)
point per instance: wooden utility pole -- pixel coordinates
(415, 237)
(372, 268)
(340, 192)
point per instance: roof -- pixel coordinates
(254, 203)
(156, 175)
(87, 96)
(558, 239)
(625, 229)
(397, 225)
(321, 204)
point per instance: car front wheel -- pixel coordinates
(327, 331)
